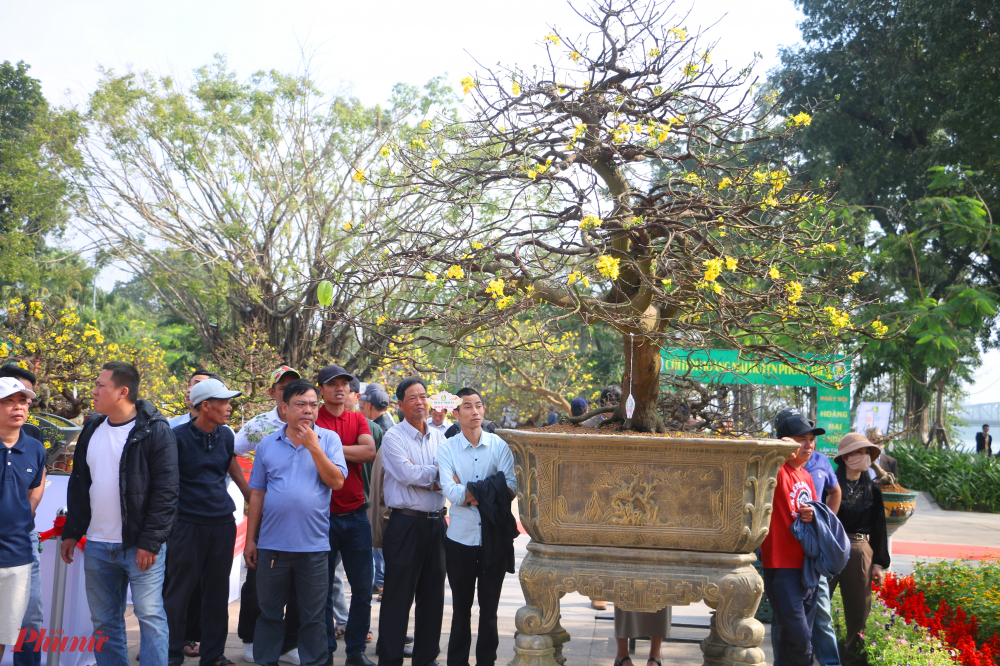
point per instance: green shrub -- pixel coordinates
(957, 480)
(973, 585)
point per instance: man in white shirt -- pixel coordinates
(413, 542)
(197, 377)
(126, 521)
(438, 421)
(469, 457)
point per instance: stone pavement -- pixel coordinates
(931, 529)
(592, 632)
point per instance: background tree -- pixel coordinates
(66, 355)
(613, 185)
(35, 140)
(234, 198)
(908, 85)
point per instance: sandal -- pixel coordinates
(190, 649)
(223, 662)
(658, 662)
(370, 637)
(621, 662)
(341, 631)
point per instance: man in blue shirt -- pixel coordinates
(470, 456)
(22, 470)
(294, 471)
(794, 425)
(33, 616)
(202, 542)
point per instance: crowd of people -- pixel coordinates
(844, 507)
(330, 486)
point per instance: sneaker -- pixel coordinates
(290, 657)
(248, 653)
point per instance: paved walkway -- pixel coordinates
(930, 532)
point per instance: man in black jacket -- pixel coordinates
(123, 496)
(984, 441)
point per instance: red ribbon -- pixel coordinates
(57, 530)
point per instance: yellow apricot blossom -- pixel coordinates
(794, 291)
(713, 268)
(515, 88)
(801, 119)
(359, 176)
(608, 266)
(591, 222)
(677, 33)
(496, 288)
(856, 276)
(731, 263)
(455, 273)
(467, 85)
(551, 38)
(430, 277)
(774, 273)
(879, 328)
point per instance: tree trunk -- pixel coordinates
(915, 419)
(642, 367)
(939, 432)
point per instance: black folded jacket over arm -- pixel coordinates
(499, 527)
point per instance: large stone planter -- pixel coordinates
(643, 522)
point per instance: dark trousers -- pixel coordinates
(250, 611)
(275, 572)
(414, 569)
(856, 590)
(199, 555)
(794, 607)
(351, 538)
(465, 567)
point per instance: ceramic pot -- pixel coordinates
(898, 509)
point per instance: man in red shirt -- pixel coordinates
(782, 557)
(350, 531)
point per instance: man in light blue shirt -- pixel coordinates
(294, 471)
(472, 455)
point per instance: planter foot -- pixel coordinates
(532, 650)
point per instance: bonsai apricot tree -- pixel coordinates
(630, 182)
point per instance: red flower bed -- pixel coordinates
(959, 631)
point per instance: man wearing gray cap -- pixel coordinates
(201, 545)
(375, 405)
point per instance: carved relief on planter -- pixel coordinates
(649, 492)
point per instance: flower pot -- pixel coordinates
(698, 494)
(898, 509)
(643, 522)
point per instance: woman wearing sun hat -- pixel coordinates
(863, 517)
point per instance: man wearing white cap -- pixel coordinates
(22, 469)
(201, 544)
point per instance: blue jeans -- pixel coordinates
(351, 538)
(824, 638)
(275, 572)
(109, 572)
(379, 563)
(33, 617)
(793, 607)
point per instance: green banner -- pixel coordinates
(724, 366)
(833, 414)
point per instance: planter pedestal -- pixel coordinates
(645, 523)
(639, 580)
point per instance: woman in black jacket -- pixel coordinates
(863, 517)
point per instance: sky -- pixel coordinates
(361, 47)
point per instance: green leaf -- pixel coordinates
(324, 293)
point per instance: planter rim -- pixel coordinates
(909, 493)
(687, 441)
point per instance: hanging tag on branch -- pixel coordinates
(630, 403)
